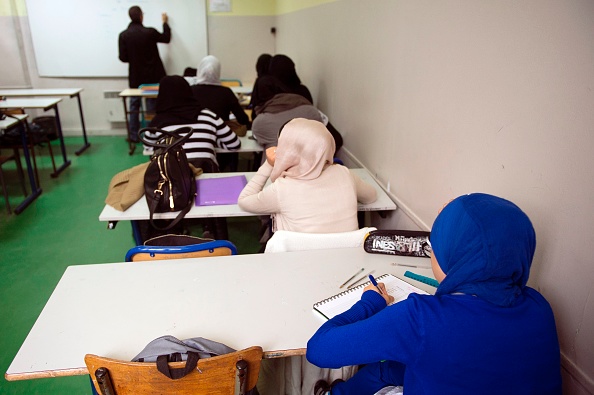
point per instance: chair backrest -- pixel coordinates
(215, 376)
(231, 82)
(284, 240)
(202, 250)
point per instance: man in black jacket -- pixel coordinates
(138, 48)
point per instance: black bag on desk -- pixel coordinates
(398, 242)
(169, 183)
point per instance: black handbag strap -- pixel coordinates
(153, 206)
(180, 136)
(177, 373)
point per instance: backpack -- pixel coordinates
(169, 182)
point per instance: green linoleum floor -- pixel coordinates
(61, 228)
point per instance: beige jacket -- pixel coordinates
(327, 204)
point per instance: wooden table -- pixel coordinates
(115, 309)
(45, 104)
(19, 121)
(69, 92)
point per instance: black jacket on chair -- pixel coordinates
(138, 48)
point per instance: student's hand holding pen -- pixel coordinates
(380, 289)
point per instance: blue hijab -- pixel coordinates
(484, 245)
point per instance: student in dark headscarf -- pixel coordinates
(283, 69)
(484, 332)
(263, 65)
(176, 107)
(263, 71)
(281, 78)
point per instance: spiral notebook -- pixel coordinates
(343, 301)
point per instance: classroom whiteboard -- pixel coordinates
(79, 38)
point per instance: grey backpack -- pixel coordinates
(167, 349)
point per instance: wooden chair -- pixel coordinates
(231, 82)
(220, 375)
(202, 250)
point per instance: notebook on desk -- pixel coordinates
(343, 301)
(219, 191)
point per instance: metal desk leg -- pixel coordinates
(62, 146)
(84, 129)
(35, 191)
(131, 145)
(136, 233)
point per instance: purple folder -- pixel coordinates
(219, 191)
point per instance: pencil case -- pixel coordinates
(398, 242)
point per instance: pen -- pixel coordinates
(372, 279)
(403, 264)
(359, 280)
(346, 282)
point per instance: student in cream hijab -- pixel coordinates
(308, 192)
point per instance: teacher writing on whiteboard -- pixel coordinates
(138, 48)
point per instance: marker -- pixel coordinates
(372, 279)
(347, 281)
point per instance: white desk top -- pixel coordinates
(135, 92)
(243, 90)
(10, 121)
(32, 102)
(140, 211)
(41, 92)
(115, 309)
(248, 144)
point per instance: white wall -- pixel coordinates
(442, 98)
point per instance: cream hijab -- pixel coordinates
(305, 149)
(209, 71)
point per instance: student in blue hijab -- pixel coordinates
(484, 332)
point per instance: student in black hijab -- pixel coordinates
(177, 107)
(283, 69)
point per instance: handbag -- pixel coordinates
(398, 242)
(169, 183)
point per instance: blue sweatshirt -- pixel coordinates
(452, 344)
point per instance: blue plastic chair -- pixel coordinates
(202, 250)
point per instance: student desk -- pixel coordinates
(151, 94)
(130, 92)
(115, 309)
(70, 92)
(140, 211)
(248, 144)
(44, 104)
(19, 122)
